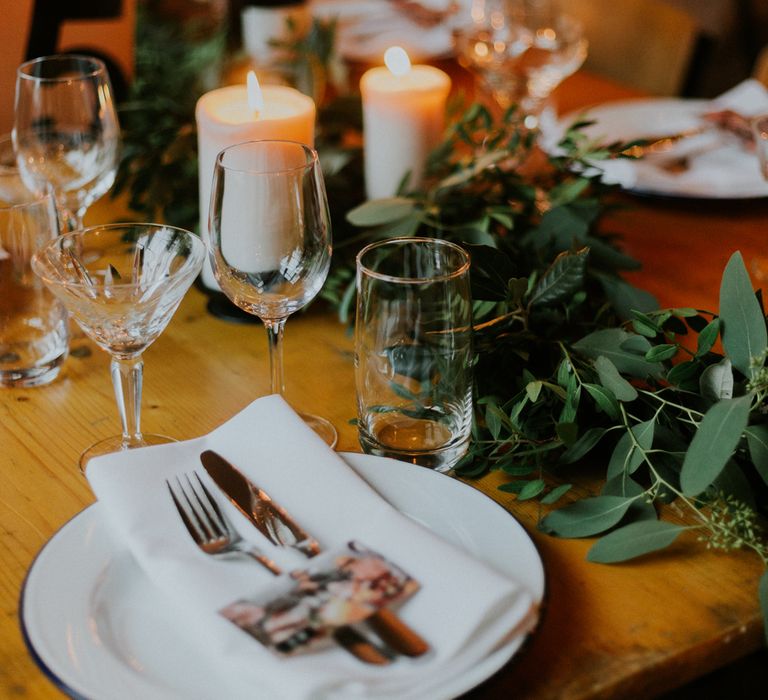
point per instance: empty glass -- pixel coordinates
(122, 283)
(270, 239)
(521, 50)
(33, 323)
(413, 351)
(66, 132)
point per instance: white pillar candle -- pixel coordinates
(226, 117)
(403, 120)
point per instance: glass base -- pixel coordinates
(440, 460)
(322, 427)
(116, 444)
(31, 376)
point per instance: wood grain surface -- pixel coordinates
(627, 631)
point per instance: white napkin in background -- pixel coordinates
(718, 163)
(464, 609)
(367, 28)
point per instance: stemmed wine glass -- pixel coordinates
(122, 283)
(270, 238)
(66, 132)
(521, 50)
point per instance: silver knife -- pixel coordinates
(269, 518)
(281, 529)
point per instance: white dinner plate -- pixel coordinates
(719, 166)
(100, 630)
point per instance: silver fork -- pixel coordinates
(215, 535)
(209, 527)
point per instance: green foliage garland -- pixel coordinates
(572, 362)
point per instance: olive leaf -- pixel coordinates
(743, 324)
(713, 444)
(634, 540)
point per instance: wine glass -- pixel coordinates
(270, 239)
(122, 283)
(521, 50)
(66, 131)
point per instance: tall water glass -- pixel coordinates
(33, 323)
(66, 131)
(413, 351)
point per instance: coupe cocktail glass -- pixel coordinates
(122, 283)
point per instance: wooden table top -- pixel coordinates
(625, 631)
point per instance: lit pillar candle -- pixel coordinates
(237, 113)
(403, 120)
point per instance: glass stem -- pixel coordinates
(127, 373)
(275, 335)
(69, 219)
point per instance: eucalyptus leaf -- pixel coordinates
(612, 380)
(533, 389)
(556, 494)
(634, 540)
(661, 352)
(625, 298)
(608, 343)
(707, 337)
(629, 452)
(587, 517)
(381, 211)
(622, 485)
(743, 324)
(757, 440)
(531, 490)
(713, 444)
(583, 445)
(733, 483)
(604, 399)
(716, 381)
(567, 432)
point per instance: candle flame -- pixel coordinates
(255, 95)
(396, 59)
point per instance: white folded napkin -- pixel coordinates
(717, 163)
(464, 609)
